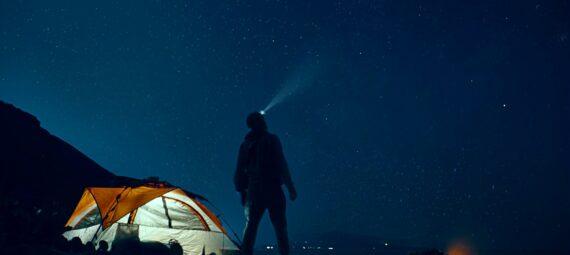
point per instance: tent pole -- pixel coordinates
(107, 214)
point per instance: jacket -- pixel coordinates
(261, 162)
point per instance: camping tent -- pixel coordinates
(149, 214)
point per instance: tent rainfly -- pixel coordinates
(148, 214)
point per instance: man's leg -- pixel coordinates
(253, 214)
(278, 219)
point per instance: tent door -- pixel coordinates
(127, 232)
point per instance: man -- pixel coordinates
(261, 170)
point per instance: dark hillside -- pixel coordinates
(42, 179)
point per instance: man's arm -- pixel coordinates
(284, 170)
(240, 178)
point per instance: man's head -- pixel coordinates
(256, 121)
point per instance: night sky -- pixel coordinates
(426, 121)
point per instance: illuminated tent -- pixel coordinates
(148, 214)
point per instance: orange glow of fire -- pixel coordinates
(460, 248)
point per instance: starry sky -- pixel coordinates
(426, 121)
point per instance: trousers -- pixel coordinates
(257, 201)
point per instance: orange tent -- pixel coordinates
(156, 213)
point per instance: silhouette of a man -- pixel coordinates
(260, 172)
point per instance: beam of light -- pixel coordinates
(300, 79)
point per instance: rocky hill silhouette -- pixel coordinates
(42, 179)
